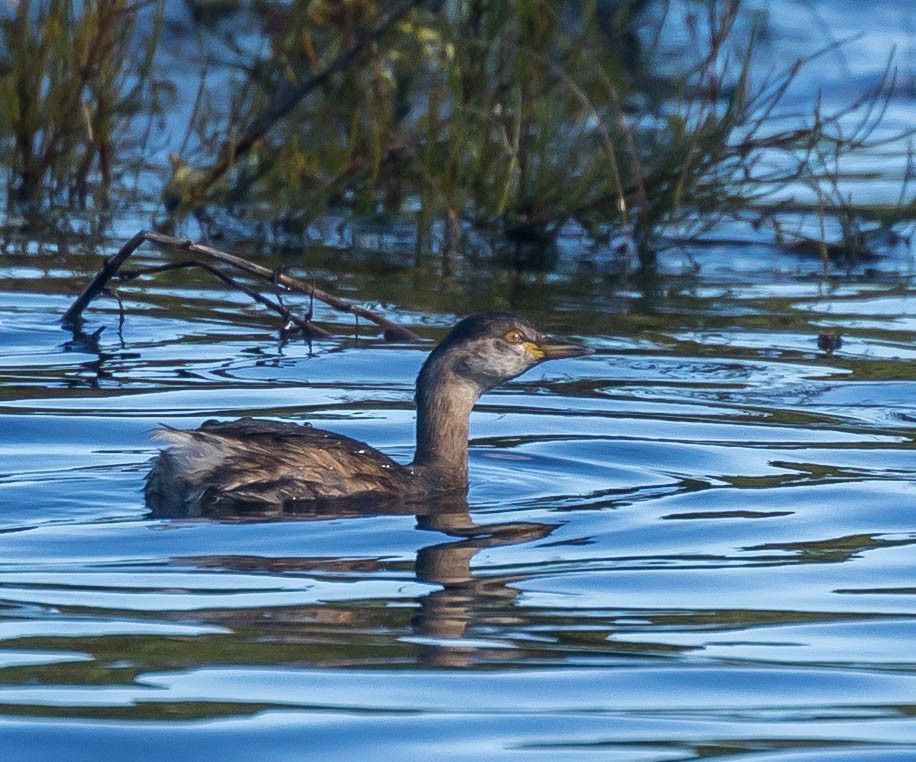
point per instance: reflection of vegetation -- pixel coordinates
(143, 710)
(513, 117)
(834, 550)
(366, 634)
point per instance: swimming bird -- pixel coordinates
(230, 466)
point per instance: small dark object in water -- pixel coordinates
(829, 342)
(259, 463)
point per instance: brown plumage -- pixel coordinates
(268, 466)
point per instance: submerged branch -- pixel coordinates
(305, 325)
(112, 268)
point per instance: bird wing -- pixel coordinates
(270, 462)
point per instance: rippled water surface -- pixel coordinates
(704, 540)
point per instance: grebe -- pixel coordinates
(281, 466)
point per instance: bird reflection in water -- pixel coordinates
(450, 613)
(440, 631)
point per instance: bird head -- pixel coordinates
(490, 348)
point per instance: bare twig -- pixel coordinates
(304, 325)
(111, 267)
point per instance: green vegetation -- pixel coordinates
(70, 83)
(508, 118)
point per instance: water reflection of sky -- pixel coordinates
(705, 504)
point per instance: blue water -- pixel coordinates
(716, 552)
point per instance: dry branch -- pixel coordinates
(111, 268)
(305, 325)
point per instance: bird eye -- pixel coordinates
(514, 337)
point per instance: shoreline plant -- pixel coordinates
(75, 79)
(511, 119)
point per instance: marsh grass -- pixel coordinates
(75, 77)
(509, 119)
(515, 118)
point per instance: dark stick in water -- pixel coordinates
(111, 268)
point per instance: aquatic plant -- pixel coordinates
(508, 118)
(74, 75)
(514, 118)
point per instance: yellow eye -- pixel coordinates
(514, 337)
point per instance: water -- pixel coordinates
(703, 543)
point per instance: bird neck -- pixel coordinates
(444, 404)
